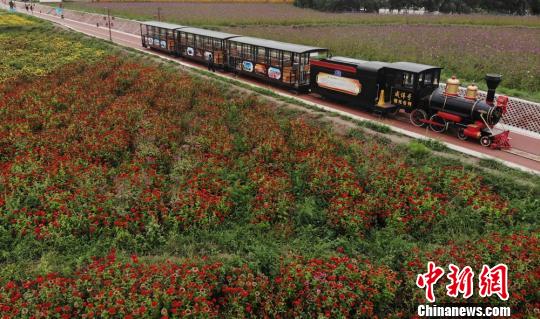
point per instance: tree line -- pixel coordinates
(520, 7)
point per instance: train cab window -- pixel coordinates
(436, 78)
(408, 80)
(428, 79)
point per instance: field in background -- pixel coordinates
(238, 14)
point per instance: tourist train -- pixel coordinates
(383, 87)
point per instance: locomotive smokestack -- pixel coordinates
(492, 81)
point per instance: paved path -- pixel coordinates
(524, 155)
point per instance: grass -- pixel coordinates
(27, 53)
(15, 20)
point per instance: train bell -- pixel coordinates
(452, 86)
(472, 92)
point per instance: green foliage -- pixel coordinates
(417, 149)
(381, 128)
(434, 145)
(26, 52)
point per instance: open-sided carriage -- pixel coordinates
(197, 44)
(160, 36)
(279, 63)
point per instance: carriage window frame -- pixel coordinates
(286, 58)
(428, 79)
(261, 55)
(190, 39)
(436, 78)
(408, 79)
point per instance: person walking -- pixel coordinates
(211, 63)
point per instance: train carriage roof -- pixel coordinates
(209, 33)
(411, 67)
(163, 25)
(283, 46)
(373, 66)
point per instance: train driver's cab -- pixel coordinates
(409, 82)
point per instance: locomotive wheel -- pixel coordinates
(461, 135)
(485, 141)
(416, 117)
(443, 125)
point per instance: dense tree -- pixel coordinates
(446, 6)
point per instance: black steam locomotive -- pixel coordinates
(384, 87)
(389, 87)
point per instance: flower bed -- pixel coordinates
(13, 20)
(107, 288)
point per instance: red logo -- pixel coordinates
(429, 279)
(460, 281)
(492, 281)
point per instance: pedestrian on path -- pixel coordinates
(211, 63)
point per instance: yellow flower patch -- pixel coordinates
(13, 20)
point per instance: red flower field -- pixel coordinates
(132, 189)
